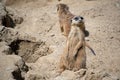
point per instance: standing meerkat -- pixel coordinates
(74, 55)
(64, 18)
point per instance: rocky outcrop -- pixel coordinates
(4, 48)
(12, 67)
(2, 12)
(9, 17)
(8, 35)
(30, 51)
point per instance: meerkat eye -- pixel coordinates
(71, 20)
(76, 18)
(81, 18)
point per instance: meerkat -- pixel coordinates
(64, 18)
(74, 55)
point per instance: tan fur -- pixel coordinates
(64, 18)
(74, 56)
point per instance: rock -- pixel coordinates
(23, 45)
(14, 14)
(31, 75)
(30, 51)
(9, 17)
(27, 37)
(11, 66)
(81, 72)
(52, 35)
(1, 27)
(12, 18)
(111, 37)
(2, 12)
(66, 75)
(8, 35)
(4, 48)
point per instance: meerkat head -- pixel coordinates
(77, 21)
(62, 7)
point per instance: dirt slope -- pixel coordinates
(102, 20)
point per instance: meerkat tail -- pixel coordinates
(86, 44)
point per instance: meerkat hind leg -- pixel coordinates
(80, 61)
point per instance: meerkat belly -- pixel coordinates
(74, 37)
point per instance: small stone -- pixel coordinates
(111, 37)
(52, 35)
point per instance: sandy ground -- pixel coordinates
(102, 20)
